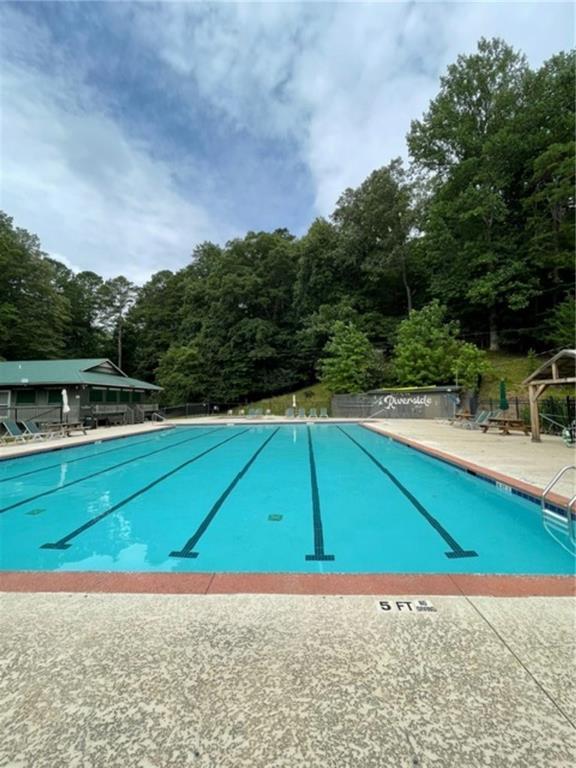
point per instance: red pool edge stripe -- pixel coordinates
(289, 583)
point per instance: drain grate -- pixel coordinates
(275, 518)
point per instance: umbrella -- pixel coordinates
(503, 404)
(65, 406)
(294, 401)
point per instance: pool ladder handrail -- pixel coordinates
(549, 516)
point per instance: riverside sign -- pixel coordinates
(433, 403)
(391, 402)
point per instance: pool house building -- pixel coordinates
(95, 390)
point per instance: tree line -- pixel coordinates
(475, 238)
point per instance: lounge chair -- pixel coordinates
(312, 413)
(480, 420)
(323, 413)
(301, 413)
(13, 432)
(34, 430)
(289, 413)
(252, 412)
(472, 422)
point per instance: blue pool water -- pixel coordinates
(292, 498)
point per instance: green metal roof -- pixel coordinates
(66, 372)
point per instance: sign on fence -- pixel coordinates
(418, 403)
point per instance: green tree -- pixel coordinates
(180, 374)
(428, 351)
(350, 364)
(116, 298)
(497, 147)
(83, 337)
(238, 312)
(561, 323)
(374, 223)
(468, 365)
(470, 246)
(34, 313)
(155, 320)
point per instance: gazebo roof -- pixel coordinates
(560, 369)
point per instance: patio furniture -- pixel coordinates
(323, 413)
(468, 421)
(313, 413)
(72, 426)
(289, 413)
(13, 432)
(31, 428)
(505, 425)
(301, 413)
(479, 421)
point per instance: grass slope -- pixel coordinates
(314, 396)
(512, 368)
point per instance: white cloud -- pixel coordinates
(341, 81)
(96, 198)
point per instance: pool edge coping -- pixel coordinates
(382, 584)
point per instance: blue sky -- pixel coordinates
(133, 131)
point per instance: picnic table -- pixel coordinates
(72, 426)
(505, 424)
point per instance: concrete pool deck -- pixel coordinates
(252, 681)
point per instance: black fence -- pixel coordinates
(556, 413)
(190, 410)
(39, 413)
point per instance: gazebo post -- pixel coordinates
(534, 392)
(534, 415)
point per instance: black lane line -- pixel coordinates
(103, 471)
(80, 458)
(319, 553)
(455, 549)
(63, 542)
(187, 549)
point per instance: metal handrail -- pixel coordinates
(571, 503)
(555, 479)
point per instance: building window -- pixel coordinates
(96, 395)
(136, 397)
(124, 396)
(111, 396)
(55, 397)
(25, 397)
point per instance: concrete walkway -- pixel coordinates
(12, 450)
(142, 681)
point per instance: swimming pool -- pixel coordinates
(292, 498)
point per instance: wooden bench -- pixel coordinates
(506, 425)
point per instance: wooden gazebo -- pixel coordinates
(558, 371)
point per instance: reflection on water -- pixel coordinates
(132, 558)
